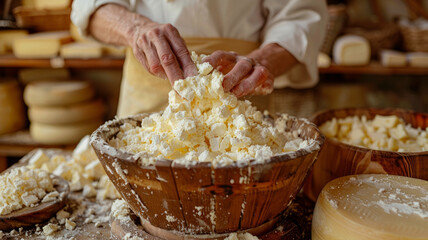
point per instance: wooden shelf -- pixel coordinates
(374, 68)
(10, 61)
(19, 143)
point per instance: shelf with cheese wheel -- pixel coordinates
(10, 61)
(374, 68)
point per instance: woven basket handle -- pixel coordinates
(416, 7)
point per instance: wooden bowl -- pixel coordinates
(202, 199)
(337, 159)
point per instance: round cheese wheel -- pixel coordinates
(51, 94)
(372, 207)
(61, 134)
(67, 114)
(12, 113)
(351, 50)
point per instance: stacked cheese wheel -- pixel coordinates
(12, 113)
(62, 112)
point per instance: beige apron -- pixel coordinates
(143, 92)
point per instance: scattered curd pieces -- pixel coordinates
(388, 133)
(82, 170)
(23, 187)
(203, 123)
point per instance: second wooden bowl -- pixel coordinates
(337, 159)
(201, 199)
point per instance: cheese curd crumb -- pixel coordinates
(23, 187)
(203, 123)
(388, 133)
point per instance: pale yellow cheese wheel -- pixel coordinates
(372, 207)
(81, 112)
(12, 113)
(51, 94)
(62, 134)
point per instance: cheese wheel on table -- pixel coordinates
(372, 207)
(351, 50)
(62, 134)
(75, 113)
(51, 94)
(12, 113)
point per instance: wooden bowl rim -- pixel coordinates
(101, 145)
(377, 111)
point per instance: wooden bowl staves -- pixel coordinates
(201, 199)
(337, 159)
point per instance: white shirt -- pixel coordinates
(296, 25)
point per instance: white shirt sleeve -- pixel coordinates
(298, 26)
(82, 11)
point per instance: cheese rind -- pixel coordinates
(52, 94)
(351, 50)
(69, 114)
(61, 134)
(372, 207)
(41, 45)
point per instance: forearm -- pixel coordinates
(115, 24)
(275, 58)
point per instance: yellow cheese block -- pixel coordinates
(68, 114)
(372, 207)
(30, 75)
(12, 113)
(41, 45)
(8, 36)
(50, 94)
(62, 134)
(82, 50)
(391, 58)
(51, 4)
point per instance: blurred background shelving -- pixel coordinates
(370, 84)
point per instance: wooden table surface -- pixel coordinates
(296, 226)
(93, 221)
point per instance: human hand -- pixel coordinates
(162, 51)
(243, 75)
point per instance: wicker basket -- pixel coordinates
(335, 25)
(380, 36)
(415, 39)
(42, 20)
